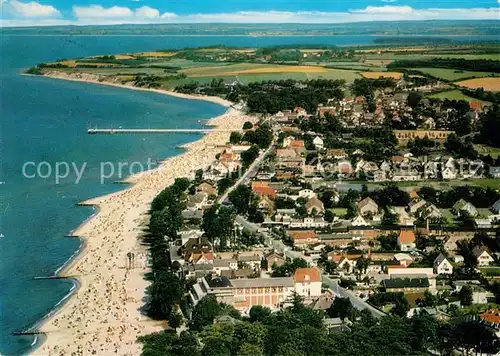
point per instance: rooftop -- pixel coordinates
(307, 275)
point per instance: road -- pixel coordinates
(279, 246)
(356, 302)
(249, 173)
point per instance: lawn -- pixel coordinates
(455, 95)
(487, 182)
(452, 74)
(487, 150)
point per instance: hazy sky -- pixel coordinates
(51, 12)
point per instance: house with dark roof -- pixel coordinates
(406, 285)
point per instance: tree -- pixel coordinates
(240, 198)
(490, 126)
(247, 125)
(235, 138)
(175, 320)
(342, 308)
(328, 216)
(250, 155)
(259, 313)
(164, 293)
(465, 296)
(413, 99)
(205, 312)
(362, 264)
(168, 343)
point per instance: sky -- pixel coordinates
(88, 12)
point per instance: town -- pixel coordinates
(379, 203)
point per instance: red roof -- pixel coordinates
(303, 235)
(263, 189)
(491, 315)
(406, 237)
(307, 275)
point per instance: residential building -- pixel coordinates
(274, 259)
(442, 265)
(336, 153)
(314, 206)
(302, 238)
(406, 240)
(307, 282)
(406, 285)
(318, 143)
(494, 172)
(197, 201)
(220, 265)
(263, 189)
(482, 256)
(359, 221)
(496, 207)
(206, 188)
(462, 207)
(368, 206)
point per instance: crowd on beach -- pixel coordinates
(104, 317)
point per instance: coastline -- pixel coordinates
(95, 79)
(102, 314)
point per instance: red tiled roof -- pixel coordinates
(406, 237)
(303, 235)
(307, 275)
(491, 316)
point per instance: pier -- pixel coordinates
(142, 131)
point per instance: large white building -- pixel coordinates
(244, 293)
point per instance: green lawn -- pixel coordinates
(487, 182)
(452, 74)
(455, 95)
(487, 150)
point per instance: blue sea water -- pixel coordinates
(45, 120)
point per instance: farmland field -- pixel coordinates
(452, 74)
(376, 75)
(455, 95)
(489, 84)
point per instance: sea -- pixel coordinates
(43, 129)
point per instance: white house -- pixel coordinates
(449, 173)
(307, 193)
(406, 240)
(442, 265)
(318, 143)
(307, 282)
(482, 256)
(359, 221)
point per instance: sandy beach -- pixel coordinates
(103, 316)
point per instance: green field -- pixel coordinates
(455, 95)
(452, 74)
(487, 182)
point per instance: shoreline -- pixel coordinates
(94, 79)
(104, 307)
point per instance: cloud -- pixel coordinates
(387, 9)
(97, 14)
(147, 12)
(18, 9)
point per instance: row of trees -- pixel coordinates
(299, 330)
(479, 65)
(166, 293)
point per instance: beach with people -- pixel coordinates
(103, 316)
